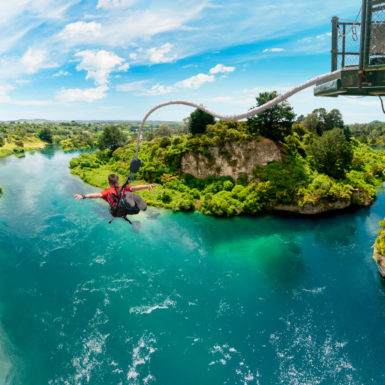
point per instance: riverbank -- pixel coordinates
(379, 249)
(279, 177)
(19, 148)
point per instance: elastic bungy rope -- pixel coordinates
(382, 104)
(248, 114)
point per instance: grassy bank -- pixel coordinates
(14, 147)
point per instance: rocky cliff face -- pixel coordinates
(231, 160)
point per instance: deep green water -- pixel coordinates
(180, 299)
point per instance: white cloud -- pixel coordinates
(139, 88)
(220, 68)
(133, 86)
(81, 31)
(23, 81)
(365, 102)
(82, 95)
(45, 9)
(323, 36)
(311, 39)
(5, 98)
(99, 64)
(4, 90)
(195, 81)
(159, 55)
(115, 3)
(121, 27)
(36, 59)
(273, 50)
(11, 38)
(33, 102)
(154, 55)
(61, 73)
(158, 89)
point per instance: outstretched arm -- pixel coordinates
(88, 196)
(143, 187)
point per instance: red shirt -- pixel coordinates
(106, 194)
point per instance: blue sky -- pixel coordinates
(116, 59)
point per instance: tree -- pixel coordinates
(363, 138)
(320, 120)
(185, 126)
(199, 120)
(274, 123)
(316, 121)
(2, 141)
(111, 138)
(45, 135)
(334, 120)
(149, 135)
(332, 153)
(163, 130)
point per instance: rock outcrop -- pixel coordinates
(380, 259)
(231, 160)
(324, 205)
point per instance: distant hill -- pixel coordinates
(89, 121)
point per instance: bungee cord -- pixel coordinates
(245, 115)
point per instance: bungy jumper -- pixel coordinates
(357, 67)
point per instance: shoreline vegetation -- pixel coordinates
(18, 149)
(292, 183)
(19, 137)
(274, 161)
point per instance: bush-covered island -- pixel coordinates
(271, 162)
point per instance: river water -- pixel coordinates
(180, 299)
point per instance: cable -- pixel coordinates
(248, 114)
(382, 104)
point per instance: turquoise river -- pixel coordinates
(180, 299)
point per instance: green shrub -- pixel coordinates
(199, 120)
(332, 153)
(165, 142)
(18, 150)
(242, 179)
(221, 204)
(228, 185)
(165, 196)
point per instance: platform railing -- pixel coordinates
(345, 44)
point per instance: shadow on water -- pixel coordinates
(152, 214)
(136, 226)
(337, 228)
(48, 151)
(287, 267)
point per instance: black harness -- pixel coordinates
(122, 204)
(125, 202)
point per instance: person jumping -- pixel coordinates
(131, 203)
